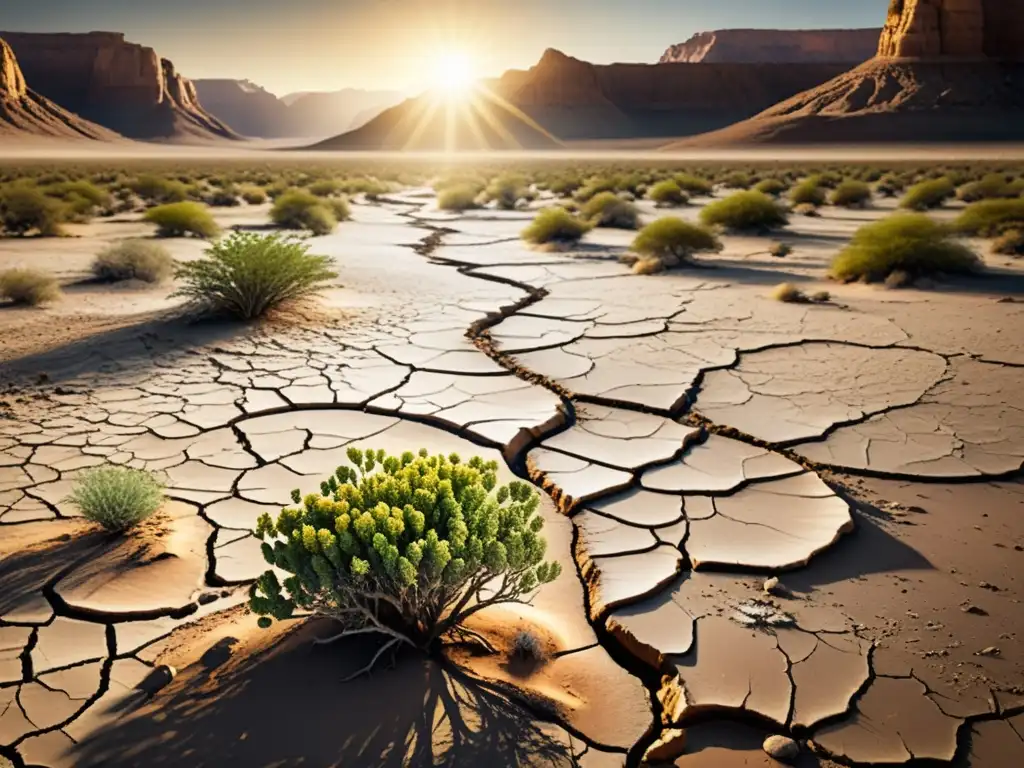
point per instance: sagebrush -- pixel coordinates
(117, 498)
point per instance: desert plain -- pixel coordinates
(773, 518)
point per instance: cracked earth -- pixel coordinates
(695, 439)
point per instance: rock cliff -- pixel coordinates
(946, 71)
(22, 111)
(125, 87)
(778, 46)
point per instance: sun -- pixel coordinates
(453, 72)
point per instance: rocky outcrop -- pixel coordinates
(947, 71)
(22, 111)
(775, 46)
(254, 111)
(125, 87)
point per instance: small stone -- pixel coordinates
(670, 745)
(773, 586)
(208, 597)
(986, 585)
(990, 651)
(975, 610)
(157, 679)
(781, 748)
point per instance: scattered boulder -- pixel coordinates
(781, 748)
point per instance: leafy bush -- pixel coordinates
(594, 186)
(990, 217)
(254, 195)
(673, 240)
(117, 498)
(744, 212)
(247, 274)
(82, 198)
(667, 193)
(851, 194)
(906, 242)
(222, 197)
(134, 260)
(181, 219)
(606, 209)
(555, 225)
(990, 187)
(890, 185)
(461, 197)
(808, 192)
(737, 180)
(28, 286)
(157, 189)
(299, 209)
(409, 547)
(928, 194)
(789, 294)
(694, 185)
(324, 187)
(773, 187)
(1010, 243)
(24, 208)
(507, 190)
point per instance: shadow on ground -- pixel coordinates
(285, 705)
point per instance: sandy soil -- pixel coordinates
(695, 436)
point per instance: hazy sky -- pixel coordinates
(290, 45)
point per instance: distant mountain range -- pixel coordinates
(776, 46)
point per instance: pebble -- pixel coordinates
(990, 651)
(781, 748)
(975, 610)
(157, 679)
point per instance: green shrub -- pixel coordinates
(24, 209)
(773, 187)
(667, 193)
(890, 185)
(1010, 243)
(694, 185)
(156, 189)
(254, 195)
(737, 180)
(340, 208)
(990, 187)
(299, 209)
(789, 294)
(506, 190)
(851, 194)
(905, 242)
(990, 217)
(555, 225)
(246, 274)
(82, 198)
(28, 286)
(606, 209)
(117, 498)
(808, 192)
(222, 197)
(744, 212)
(780, 250)
(324, 187)
(673, 240)
(134, 260)
(461, 197)
(928, 194)
(594, 186)
(408, 546)
(182, 219)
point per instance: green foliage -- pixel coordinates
(906, 242)
(668, 193)
(182, 219)
(300, 209)
(928, 194)
(606, 209)
(773, 187)
(134, 260)
(744, 212)
(247, 274)
(555, 225)
(808, 192)
(990, 187)
(788, 294)
(24, 209)
(991, 217)
(851, 193)
(82, 198)
(158, 190)
(675, 238)
(459, 197)
(594, 186)
(404, 542)
(694, 185)
(254, 195)
(117, 498)
(28, 286)
(507, 190)
(737, 180)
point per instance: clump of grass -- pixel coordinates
(526, 647)
(1010, 243)
(990, 187)
(506, 190)
(737, 180)
(594, 186)
(927, 195)
(300, 209)
(668, 194)
(672, 241)
(780, 250)
(134, 260)
(116, 498)
(182, 219)
(771, 186)
(890, 185)
(990, 217)
(906, 242)
(157, 189)
(646, 266)
(254, 195)
(695, 186)
(82, 198)
(28, 287)
(460, 197)
(247, 274)
(851, 193)
(744, 212)
(24, 209)
(789, 293)
(555, 226)
(808, 192)
(607, 209)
